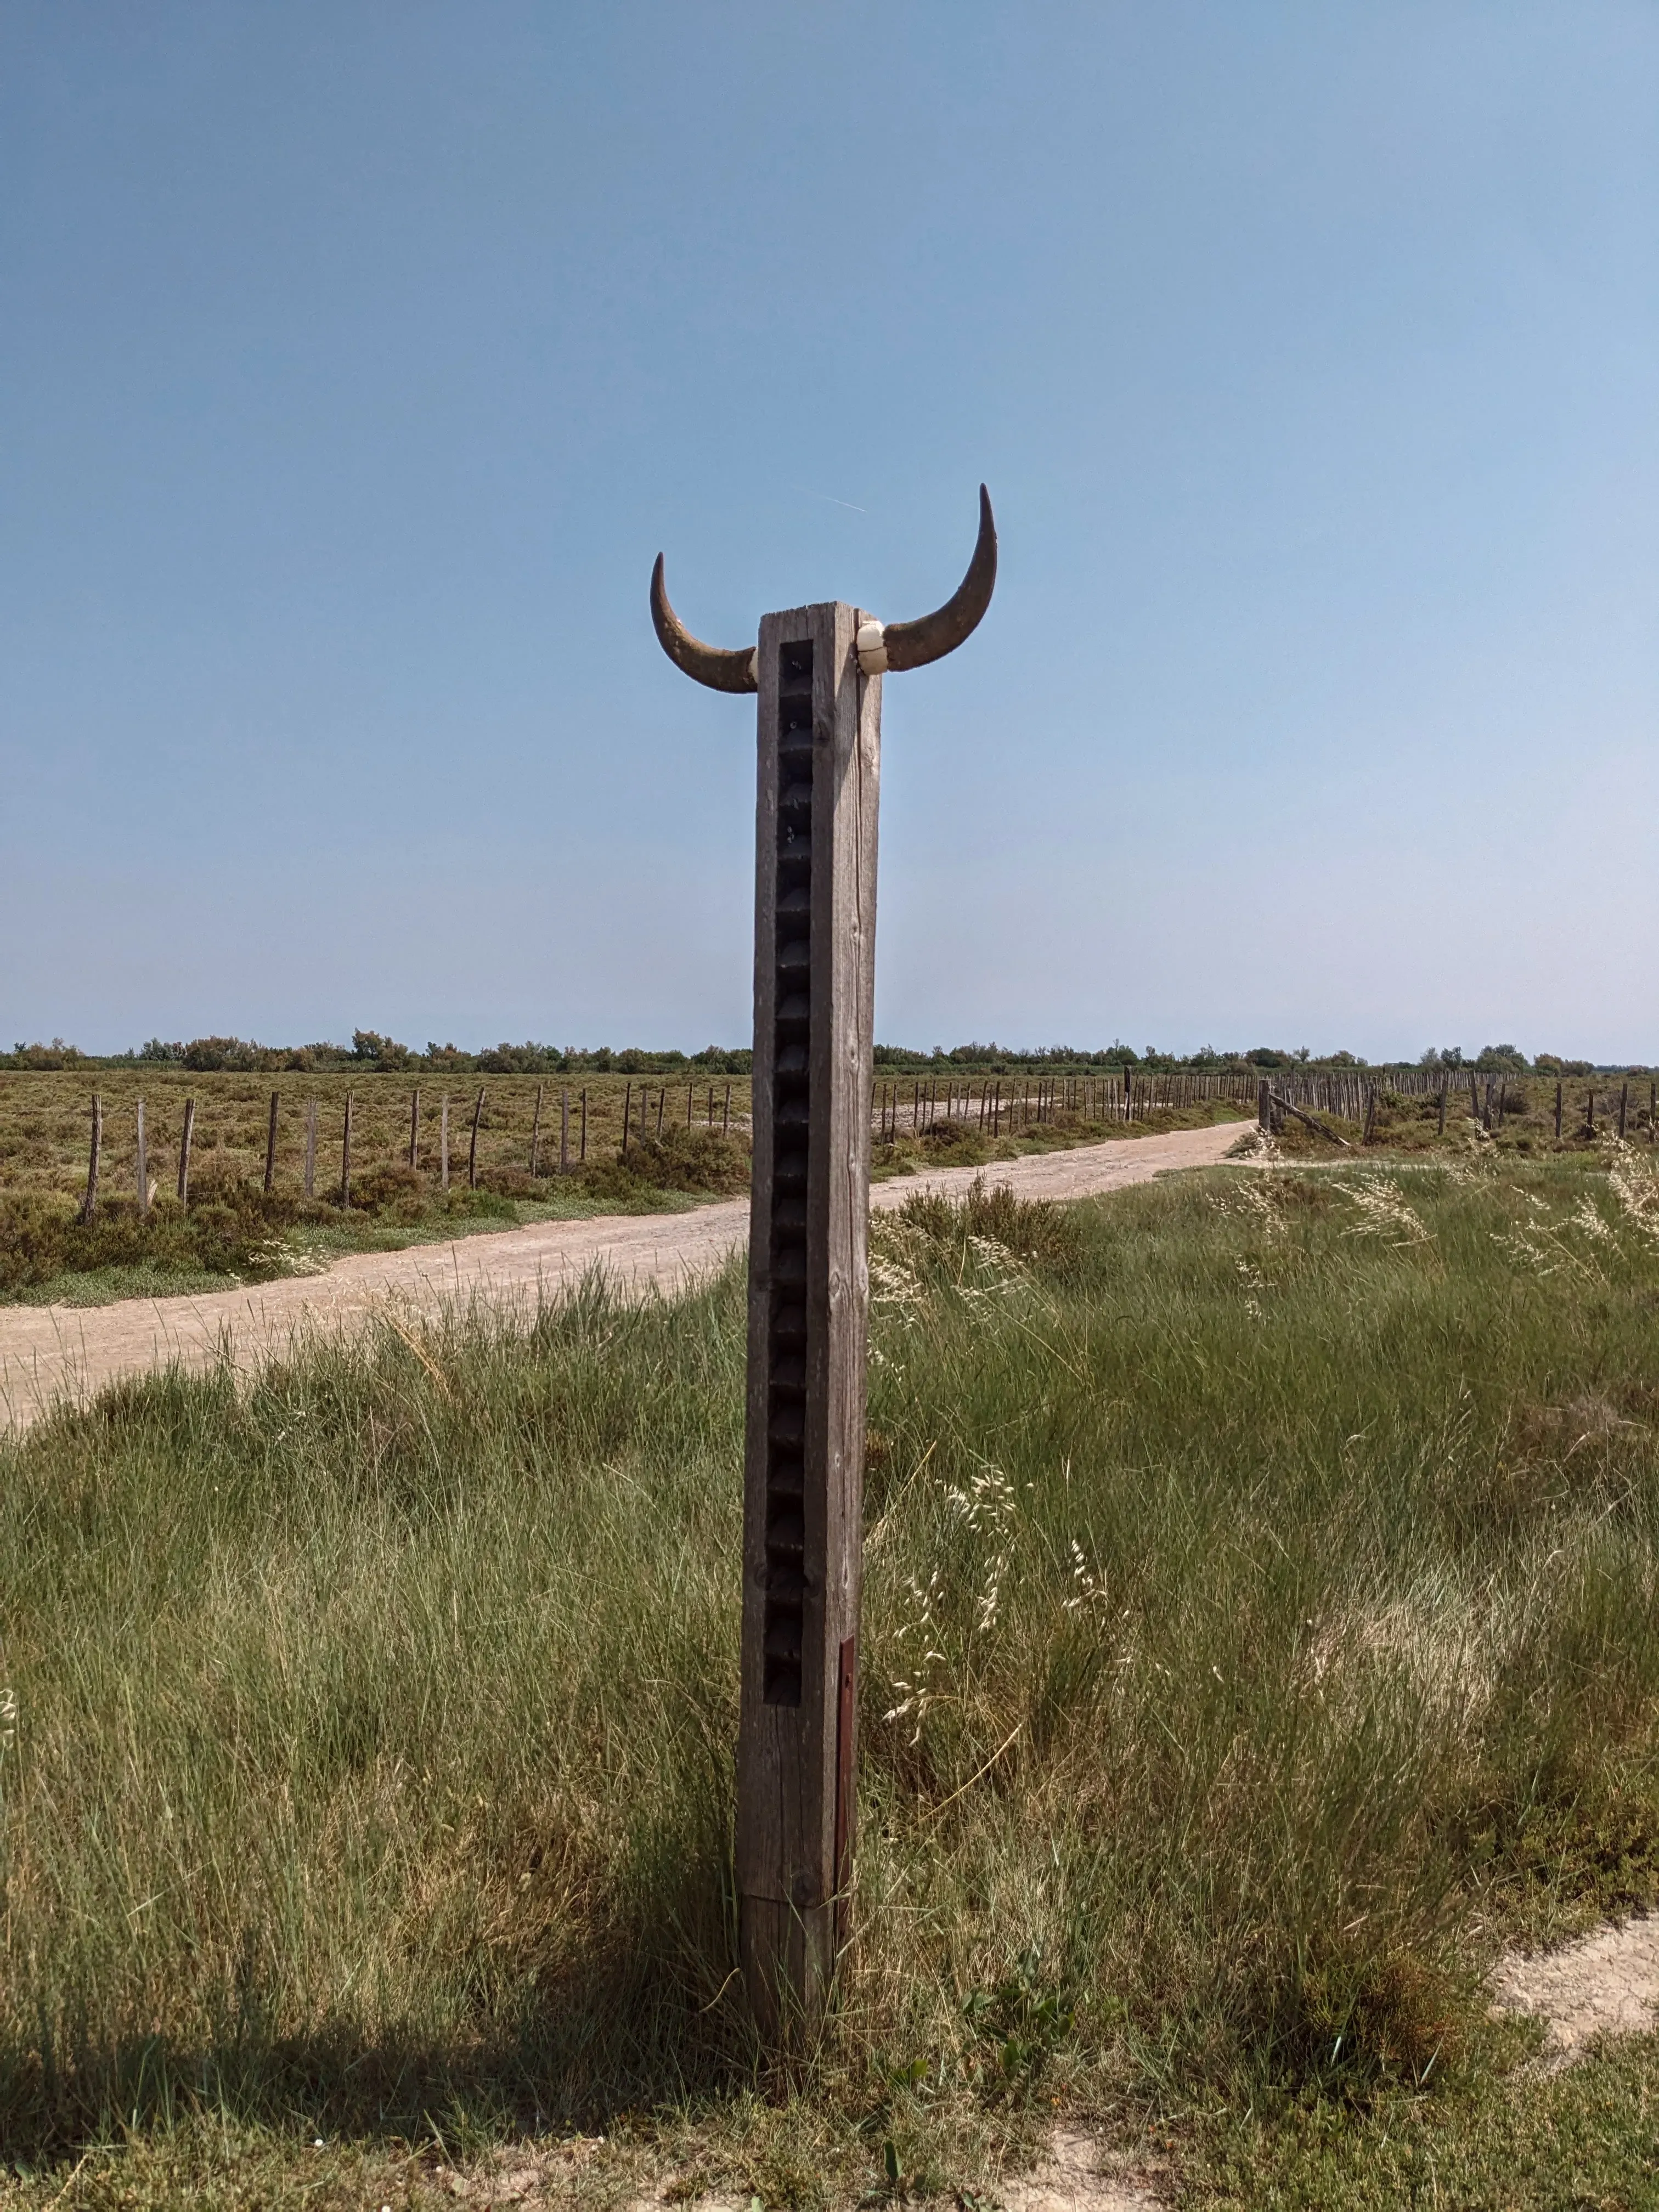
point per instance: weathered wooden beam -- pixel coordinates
(1318, 1127)
(819, 751)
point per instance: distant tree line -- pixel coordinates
(370, 1053)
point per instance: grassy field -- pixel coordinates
(1260, 1632)
(688, 1141)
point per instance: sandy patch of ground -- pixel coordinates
(1606, 1984)
(50, 1352)
(1079, 2175)
(1076, 2174)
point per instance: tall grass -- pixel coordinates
(1260, 1621)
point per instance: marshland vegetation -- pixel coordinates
(1258, 1632)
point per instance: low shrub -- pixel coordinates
(695, 1160)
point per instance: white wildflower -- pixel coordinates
(1382, 1211)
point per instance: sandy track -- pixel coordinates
(49, 1352)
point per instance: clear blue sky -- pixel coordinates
(356, 360)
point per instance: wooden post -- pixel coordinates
(443, 1142)
(814, 913)
(345, 1156)
(1370, 1110)
(1559, 1089)
(1440, 1129)
(1653, 1112)
(414, 1126)
(628, 1116)
(581, 1156)
(725, 1112)
(184, 1151)
(536, 1129)
(472, 1149)
(89, 1203)
(311, 1148)
(1624, 1104)
(270, 1142)
(1589, 1109)
(143, 1168)
(564, 1128)
(1264, 1112)
(690, 1088)
(662, 1093)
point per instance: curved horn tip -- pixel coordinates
(914, 644)
(705, 664)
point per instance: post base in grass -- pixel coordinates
(788, 1959)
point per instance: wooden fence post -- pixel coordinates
(270, 1142)
(1264, 1112)
(726, 1113)
(345, 1156)
(1559, 1089)
(820, 754)
(662, 1093)
(581, 1156)
(311, 1147)
(536, 1130)
(564, 1128)
(1624, 1103)
(628, 1116)
(443, 1142)
(472, 1149)
(1370, 1110)
(414, 1126)
(1440, 1129)
(143, 1167)
(184, 1151)
(1589, 1109)
(89, 1203)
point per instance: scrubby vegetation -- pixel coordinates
(688, 1140)
(234, 1230)
(1259, 1630)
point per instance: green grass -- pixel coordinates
(1259, 1631)
(1584, 2141)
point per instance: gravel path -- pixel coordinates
(49, 1352)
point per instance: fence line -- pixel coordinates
(902, 1106)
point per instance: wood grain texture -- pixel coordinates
(794, 1757)
(190, 1131)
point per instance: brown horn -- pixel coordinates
(914, 644)
(706, 664)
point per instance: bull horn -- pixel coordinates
(707, 664)
(914, 644)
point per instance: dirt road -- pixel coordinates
(47, 1352)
